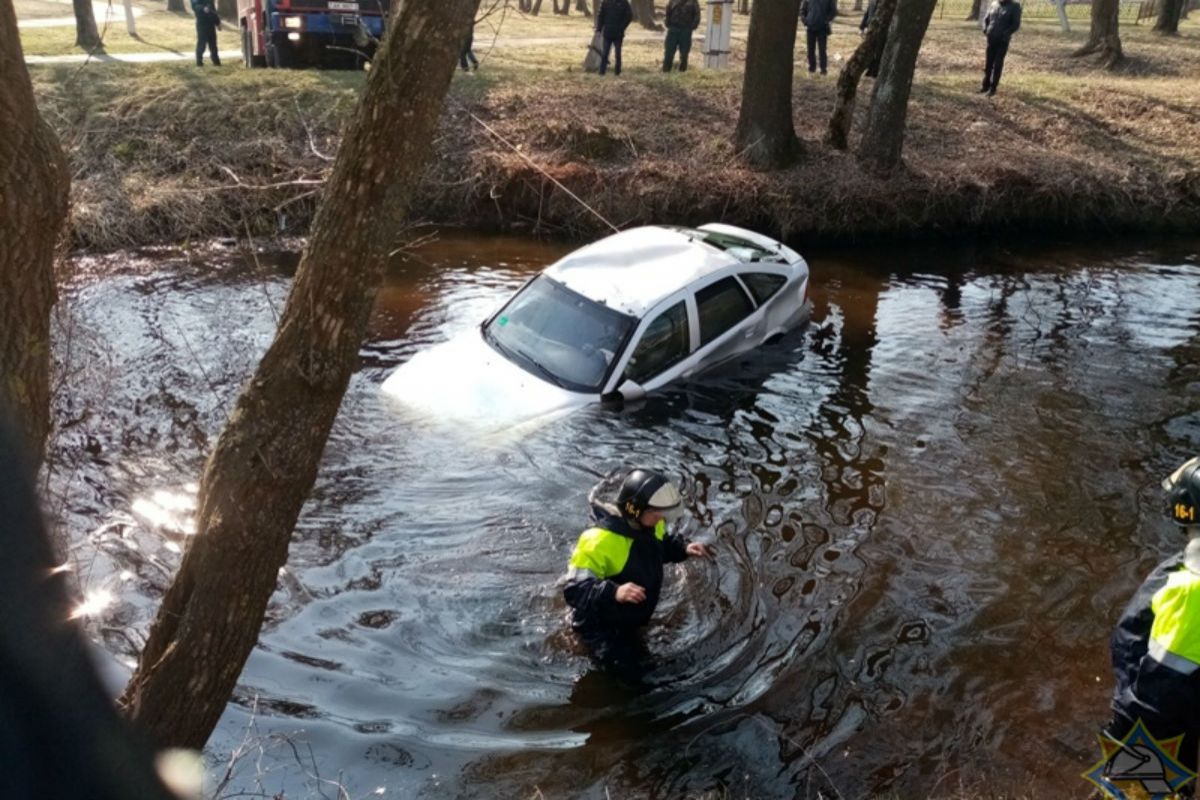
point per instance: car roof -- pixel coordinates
(632, 271)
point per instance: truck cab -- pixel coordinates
(339, 34)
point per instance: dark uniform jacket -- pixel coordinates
(206, 13)
(1156, 649)
(612, 553)
(1002, 21)
(683, 14)
(613, 18)
(818, 14)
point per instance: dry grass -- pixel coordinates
(156, 148)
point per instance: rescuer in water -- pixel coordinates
(615, 574)
(1156, 645)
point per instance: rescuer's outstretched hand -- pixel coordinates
(700, 550)
(630, 593)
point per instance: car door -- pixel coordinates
(662, 348)
(728, 321)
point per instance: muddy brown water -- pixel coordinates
(929, 506)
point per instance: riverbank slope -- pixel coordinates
(169, 152)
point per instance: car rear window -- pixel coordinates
(721, 306)
(666, 342)
(762, 284)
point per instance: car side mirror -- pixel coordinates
(628, 392)
(631, 391)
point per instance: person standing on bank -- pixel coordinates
(615, 573)
(682, 17)
(873, 67)
(467, 52)
(612, 18)
(207, 23)
(1156, 644)
(1002, 21)
(817, 16)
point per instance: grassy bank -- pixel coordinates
(167, 152)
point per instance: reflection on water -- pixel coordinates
(929, 505)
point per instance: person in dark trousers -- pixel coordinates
(612, 18)
(207, 22)
(1156, 644)
(817, 16)
(467, 53)
(873, 68)
(1002, 21)
(615, 573)
(682, 17)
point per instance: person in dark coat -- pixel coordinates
(612, 18)
(467, 53)
(207, 22)
(1002, 21)
(1156, 644)
(873, 67)
(682, 17)
(817, 16)
(615, 573)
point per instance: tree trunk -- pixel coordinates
(976, 11)
(1105, 37)
(130, 20)
(858, 5)
(86, 34)
(176, 5)
(227, 10)
(265, 462)
(847, 83)
(765, 135)
(883, 139)
(643, 12)
(744, 6)
(1169, 13)
(582, 7)
(33, 204)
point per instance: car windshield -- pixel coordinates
(559, 335)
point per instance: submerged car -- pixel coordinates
(613, 320)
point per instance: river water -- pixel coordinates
(929, 506)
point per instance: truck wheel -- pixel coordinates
(249, 60)
(279, 55)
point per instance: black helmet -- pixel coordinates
(646, 490)
(1183, 493)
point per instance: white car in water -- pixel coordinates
(613, 320)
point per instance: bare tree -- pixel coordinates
(765, 134)
(33, 204)
(176, 5)
(643, 12)
(87, 35)
(1169, 14)
(1105, 37)
(883, 140)
(976, 10)
(265, 461)
(582, 7)
(867, 52)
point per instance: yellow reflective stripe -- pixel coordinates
(1176, 607)
(601, 552)
(660, 530)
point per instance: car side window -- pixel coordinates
(721, 306)
(762, 284)
(665, 343)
